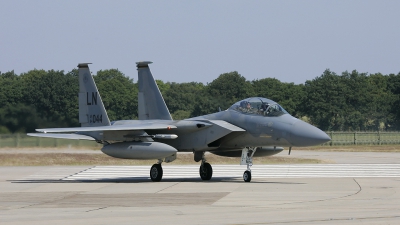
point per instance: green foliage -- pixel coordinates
(11, 91)
(164, 87)
(230, 87)
(4, 130)
(289, 95)
(350, 101)
(53, 94)
(19, 118)
(119, 94)
(180, 115)
(182, 96)
(227, 89)
(393, 87)
(324, 100)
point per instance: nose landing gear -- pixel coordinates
(247, 159)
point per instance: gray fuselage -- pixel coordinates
(199, 134)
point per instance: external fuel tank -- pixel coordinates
(139, 150)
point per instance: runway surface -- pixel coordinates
(227, 171)
(346, 193)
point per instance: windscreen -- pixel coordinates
(259, 106)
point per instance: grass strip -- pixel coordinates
(75, 159)
(352, 148)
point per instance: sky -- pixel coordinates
(292, 41)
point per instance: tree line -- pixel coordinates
(350, 101)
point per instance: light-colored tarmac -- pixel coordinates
(358, 188)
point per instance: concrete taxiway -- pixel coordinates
(355, 189)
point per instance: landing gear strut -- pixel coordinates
(156, 172)
(205, 169)
(247, 159)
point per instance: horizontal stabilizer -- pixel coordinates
(149, 126)
(64, 136)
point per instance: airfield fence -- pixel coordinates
(338, 138)
(363, 138)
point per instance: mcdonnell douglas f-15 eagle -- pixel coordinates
(249, 128)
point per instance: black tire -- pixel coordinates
(156, 172)
(247, 176)
(205, 171)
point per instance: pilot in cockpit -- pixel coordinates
(245, 106)
(264, 108)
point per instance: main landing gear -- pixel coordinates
(156, 172)
(205, 169)
(247, 159)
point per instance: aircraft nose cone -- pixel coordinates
(304, 134)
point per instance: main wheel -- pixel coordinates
(205, 171)
(247, 176)
(156, 172)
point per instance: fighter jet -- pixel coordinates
(253, 127)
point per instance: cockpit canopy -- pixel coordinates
(259, 106)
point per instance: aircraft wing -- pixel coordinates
(63, 136)
(226, 125)
(221, 129)
(207, 136)
(144, 126)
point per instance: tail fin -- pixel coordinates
(91, 109)
(151, 104)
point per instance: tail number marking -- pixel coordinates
(95, 118)
(93, 99)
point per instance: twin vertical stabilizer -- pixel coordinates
(91, 109)
(151, 104)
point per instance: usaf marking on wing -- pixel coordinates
(250, 128)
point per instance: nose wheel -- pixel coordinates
(247, 176)
(156, 172)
